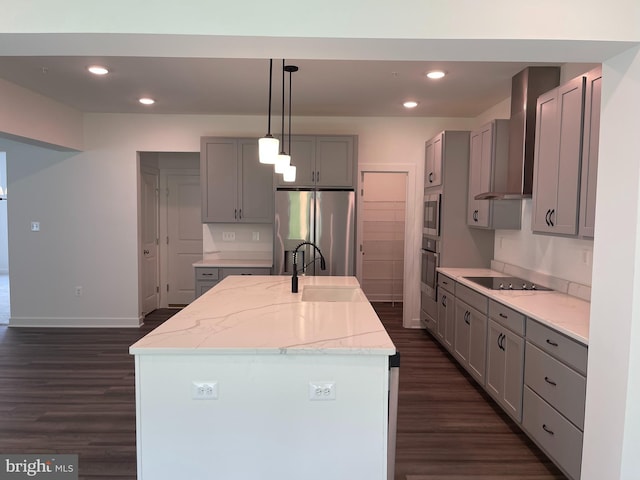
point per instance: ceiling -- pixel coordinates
(240, 86)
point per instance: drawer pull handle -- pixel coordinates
(549, 381)
(546, 429)
(503, 315)
(207, 274)
(445, 283)
(467, 314)
(553, 344)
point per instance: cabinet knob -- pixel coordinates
(240, 214)
(553, 212)
(430, 177)
(549, 381)
(467, 314)
(317, 175)
(547, 429)
(146, 252)
(552, 343)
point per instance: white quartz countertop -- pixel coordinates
(258, 314)
(565, 313)
(236, 260)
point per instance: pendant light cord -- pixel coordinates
(290, 72)
(270, 81)
(282, 143)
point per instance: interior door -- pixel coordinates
(149, 244)
(184, 228)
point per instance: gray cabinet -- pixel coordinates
(322, 161)
(236, 187)
(470, 335)
(209, 277)
(488, 158)
(590, 143)
(505, 366)
(554, 395)
(433, 161)
(446, 312)
(428, 312)
(556, 180)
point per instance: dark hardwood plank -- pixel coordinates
(72, 391)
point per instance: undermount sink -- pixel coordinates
(330, 293)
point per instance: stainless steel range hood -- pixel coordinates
(526, 86)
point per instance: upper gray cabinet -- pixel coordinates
(488, 158)
(236, 187)
(566, 157)
(433, 161)
(590, 143)
(322, 161)
(556, 178)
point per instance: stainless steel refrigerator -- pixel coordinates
(323, 217)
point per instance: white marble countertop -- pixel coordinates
(258, 314)
(565, 313)
(236, 259)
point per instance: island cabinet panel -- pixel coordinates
(236, 187)
(263, 424)
(322, 161)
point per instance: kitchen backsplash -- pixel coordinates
(222, 237)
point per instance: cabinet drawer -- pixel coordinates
(563, 348)
(245, 271)
(473, 298)
(555, 434)
(507, 317)
(562, 387)
(207, 273)
(446, 282)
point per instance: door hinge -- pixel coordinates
(158, 289)
(362, 192)
(167, 287)
(167, 239)
(157, 241)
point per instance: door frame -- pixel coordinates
(141, 263)
(412, 228)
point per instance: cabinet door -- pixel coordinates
(219, 179)
(303, 156)
(462, 326)
(495, 361)
(590, 143)
(545, 177)
(433, 162)
(334, 162)
(446, 312)
(571, 110)
(480, 174)
(513, 374)
(477, 345)
(255, 189)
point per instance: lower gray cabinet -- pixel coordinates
(446, 318)
(471, 339)
(554, 395)
(505, 366)
(209, 277)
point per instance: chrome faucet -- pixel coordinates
(294, 277)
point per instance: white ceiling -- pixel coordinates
(240, 86)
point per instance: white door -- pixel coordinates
(149, 244)
(383, 197)
(184, 242)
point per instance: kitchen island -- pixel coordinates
(253, 381)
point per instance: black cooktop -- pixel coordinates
(506, 283)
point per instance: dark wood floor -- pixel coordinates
(72, 391)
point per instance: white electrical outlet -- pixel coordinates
(228, 236)
(256, 236)
(322, 391)
(35, 226)
(204, 390)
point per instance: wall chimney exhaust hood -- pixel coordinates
(526, 86)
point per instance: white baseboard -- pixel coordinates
(415, 323)
(97, 322)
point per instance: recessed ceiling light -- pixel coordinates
(98, 70)
(147, 101)
(435, 74)
(410, 104)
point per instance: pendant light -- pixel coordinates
(268, 145)
(282, 160)
(289, 173)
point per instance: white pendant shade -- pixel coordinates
(268, 148)
(282, 163)
(289, 174)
